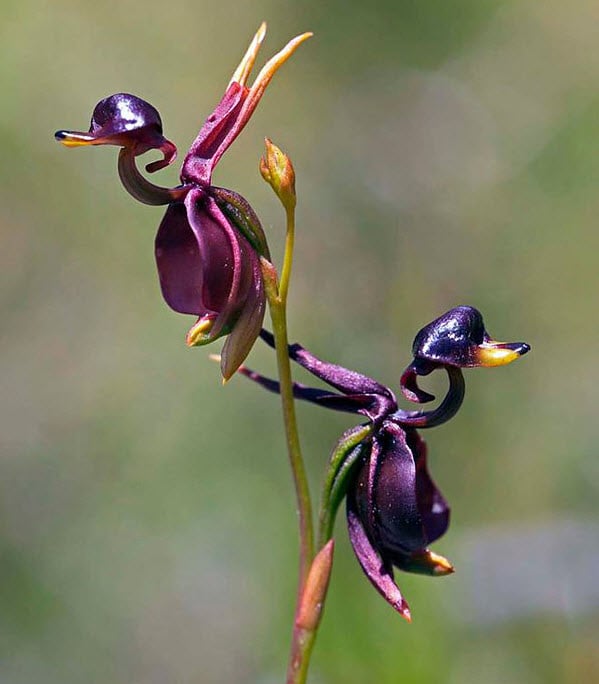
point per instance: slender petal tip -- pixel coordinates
(269, 70)
(244, 67)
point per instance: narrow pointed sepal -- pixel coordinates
(378, 572)
(247, 327)
(233, 112)
(244, 69)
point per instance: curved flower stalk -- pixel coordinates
(394, 508)
(209, 242)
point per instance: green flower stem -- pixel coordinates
(288, 256)
(301, 650)
(304, 504)
(302, 639)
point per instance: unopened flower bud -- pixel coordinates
(277, 170)
(316, 588)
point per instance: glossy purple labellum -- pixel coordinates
(127, 121)
(457, 339)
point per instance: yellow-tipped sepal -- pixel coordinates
(425, 563)
(200, 333)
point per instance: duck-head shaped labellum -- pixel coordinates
(135, 126)
(457, 339)
(124, 120)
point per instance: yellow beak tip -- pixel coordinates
(500, 354)
(73, 139)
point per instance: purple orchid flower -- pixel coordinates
(394, 511)
(394, 508)
(210, 241)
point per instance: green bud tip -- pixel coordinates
(277, 170)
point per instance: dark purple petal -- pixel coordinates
(198, 257)
(208, 147)
(363, 490)
(179, 262)
(399, 524)
(432, 506)
(379, 572)
(345, 380)
(224, 260)
(248, 325)
(208, 269)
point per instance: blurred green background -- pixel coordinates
(446, 153)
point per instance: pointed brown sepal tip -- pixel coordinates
(227, 373)
(405, 612)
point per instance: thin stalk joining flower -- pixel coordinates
(276, 293)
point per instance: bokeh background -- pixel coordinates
(446, 153)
